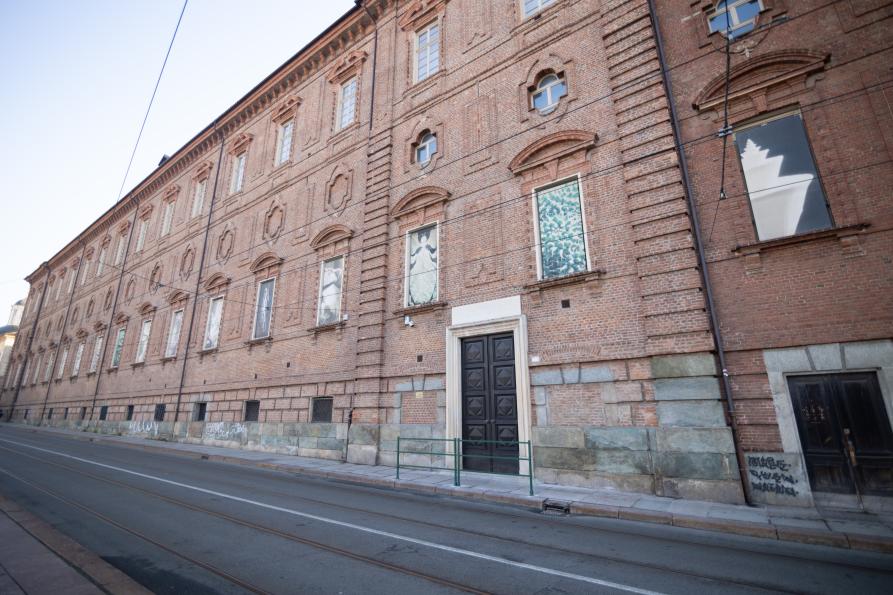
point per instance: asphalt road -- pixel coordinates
(180, 525)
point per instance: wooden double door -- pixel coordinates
(845, 433)
(489, 404)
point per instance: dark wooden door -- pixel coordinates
(489, 404)
(845, 432)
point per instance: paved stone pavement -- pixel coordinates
(847, 529)
(28, 565)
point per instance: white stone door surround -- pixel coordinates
(487, 318)
(863, 356)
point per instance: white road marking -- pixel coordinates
(322, 519)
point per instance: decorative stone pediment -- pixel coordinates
(121, 318)
(759, 73)
(203, 170)
(240, 143)
(420, 11)
(274, 221)
(286, 110)
(331, 235)
(216, 282)
(552, 148)
(81, 333)
(339, 189)
(265, 262)
(98, 326)
(146, 308)
(347, 66)
(171, 191)
(419, 198)
(177, 297)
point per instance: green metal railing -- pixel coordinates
(456, 453)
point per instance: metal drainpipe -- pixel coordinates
(15, 398)
(108, 330)
(201, 267)
(64, 325)
(702, 259)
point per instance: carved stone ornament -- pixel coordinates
(107, 303)
(225, 244)
(155, 278)
(419, 12)
(347, 66)
(551, 148)
(338, 190)
(187, 262)
(274, 219)
(129, 290)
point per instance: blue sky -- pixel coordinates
(75, 81)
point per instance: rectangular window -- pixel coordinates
(427, 52)
(36, 370)
(235, 183)
(78, 356)
(48, 371)
(252, 410)
(119, 250)
(534, 6)
(167, 218)
(130, 413)
(103, 413)
(83, 413)
(283, 145)
(561, 236)
(50, 414)
(322, 410)
(72, 276)
(173, 334)
(198, 197)
(331, 276)
(97, 353)
(421, 266)
(65, 413)
(212, 328)
(142, 345)
(264, 309)
(141, 234)
(348, 109)
(100, 262)
(119, 347)
(159, 412)
(786, 196)
(85, 272)
(58, 290)
(199, 412)
(61, 369)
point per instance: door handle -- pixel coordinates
(850, 448)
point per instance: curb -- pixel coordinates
(854, 541)
(93, 568)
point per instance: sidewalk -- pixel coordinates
(35, 559)
(836, 528)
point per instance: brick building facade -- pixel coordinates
(443, 218)
(803, 296)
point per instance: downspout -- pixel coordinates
(198, 280)
(702, 259)
(64, 326)
(108, 330)
(15, 398)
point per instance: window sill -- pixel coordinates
(572, 279)
(113, 369)
(421, 309)
(839, 232)
(208, 351)
(316, 330)
(168, 358)
(91, 374)
(422, 85)
(137, 364)
(260, 340)
(340, 133)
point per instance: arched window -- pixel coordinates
(425, 148)
(734, 17)
(549, 91)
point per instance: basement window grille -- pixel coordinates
(322, 410)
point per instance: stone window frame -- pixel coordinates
(411, 142)
(200, 178)
(266, 267)
(765, 119)
(168, 206)
(79, 354)
(539, 88)
(216, 287)
(826, 358)
(426, 29)
(418, 17)
(238, 163)
(331, 243)
(121, 323)
(542, 5)
(177, 302)
(418, 209)
(63, 360)
(578, 177)
(147, 315)
(771, 10)
(103, 254)
(142, 231)
(709, 14)
(286, 113)
(540, 68)
(96, 352)
(350, 67)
